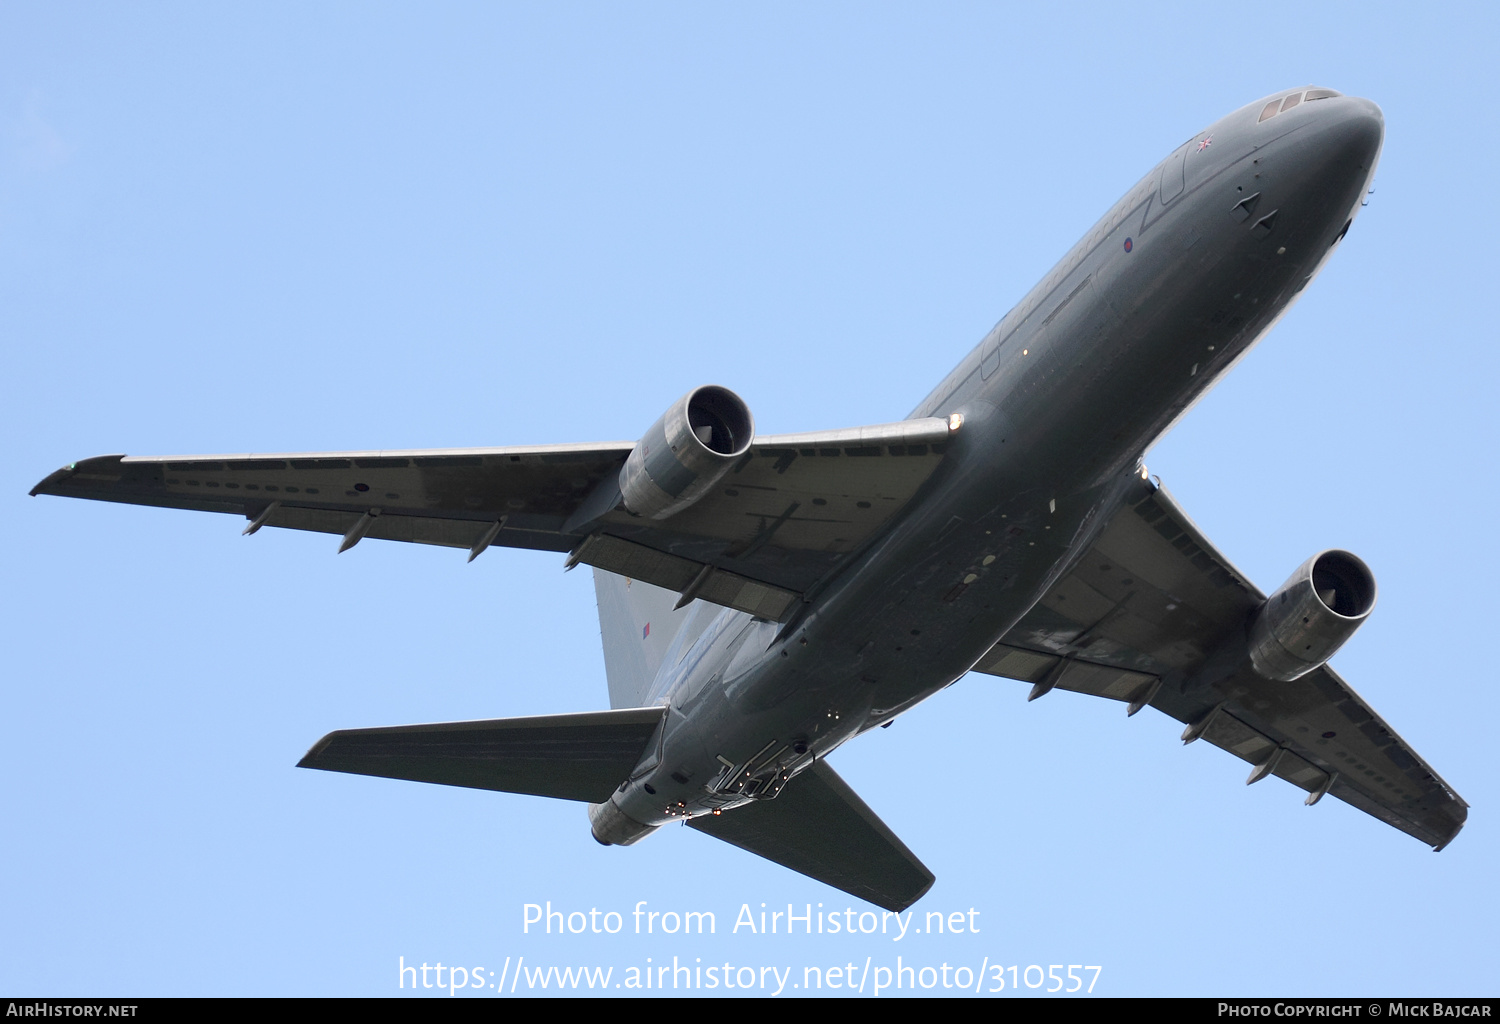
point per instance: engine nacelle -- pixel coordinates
(686, 452)
(1309, 618)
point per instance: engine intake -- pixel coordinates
(1301, 625)
(695, 443)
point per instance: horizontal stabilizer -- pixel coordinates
(571, 757)
(820, 827)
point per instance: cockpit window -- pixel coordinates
(1277, 106)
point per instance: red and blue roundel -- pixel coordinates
(1129, 244)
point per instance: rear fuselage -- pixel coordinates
(1058, 404)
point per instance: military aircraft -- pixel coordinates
(765, 598)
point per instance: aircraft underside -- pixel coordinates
(765, 598)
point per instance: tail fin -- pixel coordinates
(638, 624)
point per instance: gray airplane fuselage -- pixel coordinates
(1058, 404)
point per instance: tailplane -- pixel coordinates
(816, 825)
(571, 757)
(819, 827)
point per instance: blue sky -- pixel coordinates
(284, 228)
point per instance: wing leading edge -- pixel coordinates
(788, 513)
(1154, 614)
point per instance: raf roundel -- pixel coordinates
(1129, 244)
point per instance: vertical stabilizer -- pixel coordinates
(637, 624)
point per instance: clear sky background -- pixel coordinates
(286, 228)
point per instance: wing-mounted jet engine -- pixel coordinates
(1304, 622)
(695, 443)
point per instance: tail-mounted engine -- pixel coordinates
(686, 452)
(1309, 618)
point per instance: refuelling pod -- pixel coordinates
(1301, 625)
(613, 827)
(695, 443)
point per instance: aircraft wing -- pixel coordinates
(792, 509)
(1154, 614)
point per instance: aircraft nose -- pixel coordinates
(1362, 126)
(1330, 160)
(1349, 134)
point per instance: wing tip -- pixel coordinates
(310, 759)
(48, 484)
(897, 906)
(51, 483)
(1451, 835)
